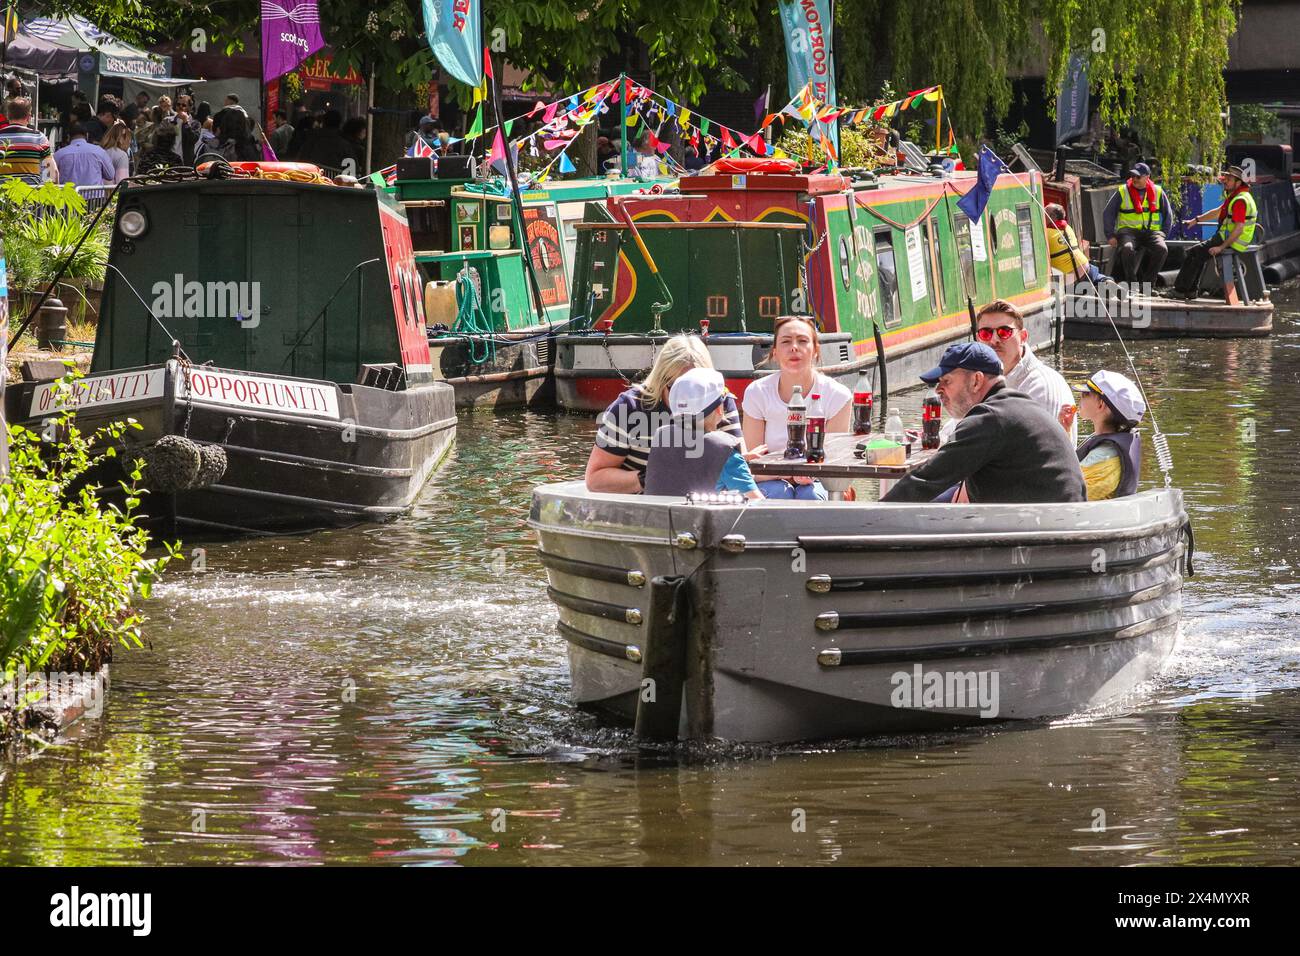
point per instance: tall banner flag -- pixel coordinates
(290, 35)
(808, 32)
(1072, 102)
(452, 27)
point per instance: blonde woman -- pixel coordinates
(618, 459)
(796, 350)
(117, 142)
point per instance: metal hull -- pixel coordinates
(828, 621)
(518, 373)
(284, 472)
(1198, 318)
(591, 369)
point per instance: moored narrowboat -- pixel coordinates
(888, 265)
(269, 337)
(491, 330)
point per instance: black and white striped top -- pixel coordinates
(627, 427)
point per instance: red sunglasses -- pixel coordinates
(1004, 332)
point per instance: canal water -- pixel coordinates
(397, 694)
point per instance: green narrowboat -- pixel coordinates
(885, 263)
(490, 330)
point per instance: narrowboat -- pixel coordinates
(491, 331)
(887, 264)
(269, 337)
(777, 621)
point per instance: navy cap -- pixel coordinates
(1140, 169)
(973, 356)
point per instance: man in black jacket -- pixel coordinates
(1006, 448)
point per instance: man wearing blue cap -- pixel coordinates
(1006, 447)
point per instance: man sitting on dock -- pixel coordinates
(1139, 216)
(1237, 217)
(1006, 448)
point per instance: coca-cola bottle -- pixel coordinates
(862, 405)
(930, 424)
(796, 424)
(816, 429)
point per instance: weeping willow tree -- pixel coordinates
(1156, 65)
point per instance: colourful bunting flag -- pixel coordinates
(566, 164)
(476, 128)
(498, 149)
(550, 112)
(685, 119)
(508, 125)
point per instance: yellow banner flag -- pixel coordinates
(685, 119)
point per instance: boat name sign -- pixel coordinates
(286, 397)
(109, 389)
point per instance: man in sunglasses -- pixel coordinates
(1006, 448)
(1000, 326)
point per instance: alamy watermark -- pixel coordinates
(178, 299)
(1129, 303)
(635, 427)
(946, 690)
(57, 687)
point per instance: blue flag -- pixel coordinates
(973, 203)
(452, 27)
(566, 164)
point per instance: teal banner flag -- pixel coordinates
(452, 27)
(808, 31)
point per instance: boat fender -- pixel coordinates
(212, 466)
(663, 667)
(171, 464)
(1191, 547)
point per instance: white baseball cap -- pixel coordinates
(697, 392)
(1119, 392)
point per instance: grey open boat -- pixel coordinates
(782, 621)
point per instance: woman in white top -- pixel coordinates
(796, 349)
(116, 142)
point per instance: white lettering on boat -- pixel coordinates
(110, 389)
(283, 396)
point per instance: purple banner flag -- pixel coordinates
(290, 34)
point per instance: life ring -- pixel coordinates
(754, 164)
(255, 166)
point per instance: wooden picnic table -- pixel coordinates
(841, 467)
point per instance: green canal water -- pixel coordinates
(397, 694)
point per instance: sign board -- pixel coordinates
(977, 240)
(916, 263)
(114, 388)
(259, 393)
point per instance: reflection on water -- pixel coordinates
(397, 694)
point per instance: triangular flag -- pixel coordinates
(685, 119)
(631, 119)
(498, 149)
(537, 107)
(671, 107)
(726, 138)
(550, 112)
(476, 128)
(487, 64)
(566, 164)
(781, 154)
(704, 127)
(652, 140)
(509, 124)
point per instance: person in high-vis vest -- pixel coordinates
(1136, 219)
(1064, 251)
(1237, 218)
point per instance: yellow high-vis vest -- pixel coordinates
(1132, 218)
(1248, 228)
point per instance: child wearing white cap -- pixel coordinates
(689, 453)
(1111, 458)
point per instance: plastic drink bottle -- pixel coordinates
(894, 428)
(931, 409)
(862, 405)
(816, 430)
(796, 424)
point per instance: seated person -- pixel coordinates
(796, 350)
(1005, 448)
(1067, 255)
(618, 460)
(1111, 458)
(689, 453)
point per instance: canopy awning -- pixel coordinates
(74, 44)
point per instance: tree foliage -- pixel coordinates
(1158, 66)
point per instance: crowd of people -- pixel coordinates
(118, 139)
(1012, 434)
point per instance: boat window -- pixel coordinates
(1028, 259)
(939, 298)
(887, 270)
(929, 267)
(965, 252)
(571, 214)
(430, 222)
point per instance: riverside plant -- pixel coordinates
(71, 565)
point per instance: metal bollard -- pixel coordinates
(52, 325)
